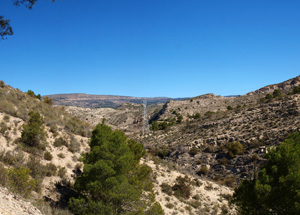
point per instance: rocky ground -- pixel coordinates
(13, 205)
(206, 197)
(261, 124)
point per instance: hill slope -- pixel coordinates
(205, 140)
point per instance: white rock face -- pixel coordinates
(13, 205)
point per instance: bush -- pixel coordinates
(19, 181)
(33, 132)
(3, 175)
(209, 114)
(61, 155)
(193, 151)
(234, 148)
(183, 187)
(2, 84)
(169, 205)
(48, 156)
(62, 172)
(268, 96)
(296, 90)
(50, 169)
(60, 142)
(74, 146)
(166, 188)
(154, 126)
(276, 93)
(203, 170)
(229, 182)
(48, 100)
(229, 107)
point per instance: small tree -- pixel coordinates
(229, 107)
(33, 132)
(113, 180)
(48, 100)
(183, 187)
(154, 126)
(296, 90)
(277, 93)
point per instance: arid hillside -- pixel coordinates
(49, 165)
(225, 137)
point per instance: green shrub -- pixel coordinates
(193, 151)
(169, 205)
(2, 84)
(15, 158)
(61, 155)
(74, 145)
(276, 93)
(154, 126)
(209, 114)
(182, 188)
(195, 204)
(50, 169)
(48, 156)
(19, 181)
(296, 90)
(62, 172)
(3, 175)
(33, 132)
(235, 148)
(6, 118)
(229, 107)
(155, 209)
(3, 127)
(48, 100)
(204, 170)
(166, 188)
(268, 96)
(60, 142)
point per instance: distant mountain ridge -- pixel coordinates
(103, 101)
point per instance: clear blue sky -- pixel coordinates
(145, 48)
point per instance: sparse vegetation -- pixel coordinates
(17, 180)
(48, 156)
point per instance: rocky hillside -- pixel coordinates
(102, 101)
(285, 86)
(128, 117)
(53, 160)
(222, 137)
(49, 168)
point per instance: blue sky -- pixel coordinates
(147, 48)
